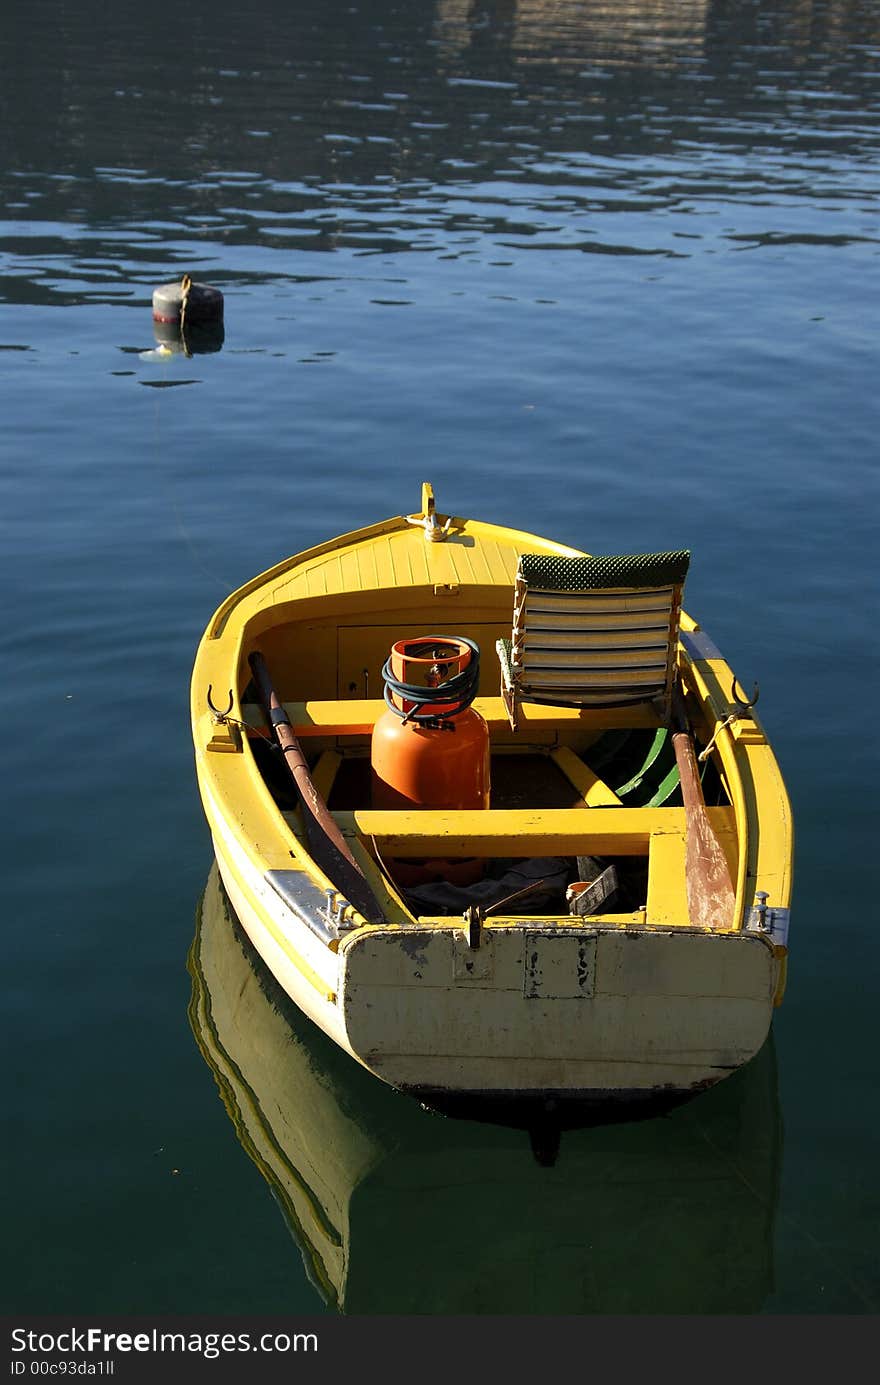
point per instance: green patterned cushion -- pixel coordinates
(614, 570)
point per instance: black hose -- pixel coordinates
(454, 696)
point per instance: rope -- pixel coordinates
(742, 709)
(728, 721)
(185, 286)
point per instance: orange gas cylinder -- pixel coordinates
(430, 749)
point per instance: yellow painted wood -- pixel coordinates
(354, 717)
(594, 791)
(520, 832)
(357, 717)
(350, 566)
(363, 650)
(667, 893)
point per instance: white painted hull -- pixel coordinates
(592, 1013)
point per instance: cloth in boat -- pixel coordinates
(503, 878)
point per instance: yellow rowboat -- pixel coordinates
(671, 1216)
(496, 813)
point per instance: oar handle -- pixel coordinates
(688, 772)
(326, 843)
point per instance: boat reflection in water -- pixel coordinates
(397, 1209)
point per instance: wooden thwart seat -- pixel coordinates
(657, 834)
(357, 717)
(494, 832)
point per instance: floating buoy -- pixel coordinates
(187, 303)
(188, 317)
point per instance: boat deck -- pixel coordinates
(547, 799)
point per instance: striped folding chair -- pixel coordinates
(593, 632)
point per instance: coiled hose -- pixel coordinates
(453, 696)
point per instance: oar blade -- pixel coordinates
(710, 893)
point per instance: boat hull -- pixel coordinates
(635, 1004)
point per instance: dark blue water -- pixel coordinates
(608, 272)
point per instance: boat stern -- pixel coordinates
(542, 1007)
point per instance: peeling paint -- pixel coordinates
(559, 966)
(414, 949)
(583, 966)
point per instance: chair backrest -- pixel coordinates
(596, 632)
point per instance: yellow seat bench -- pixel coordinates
(357, 717)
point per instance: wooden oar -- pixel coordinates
(326, 843)
(710, 892)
